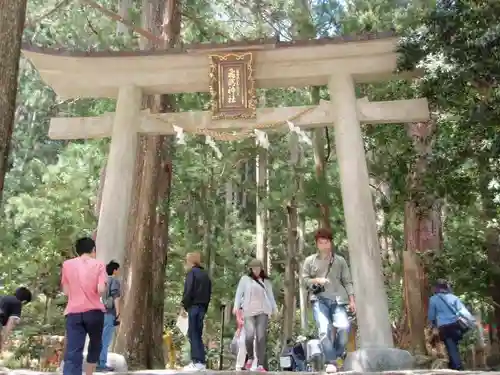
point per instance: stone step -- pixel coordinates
(210, 372)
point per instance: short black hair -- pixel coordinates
(23, 294)
(84, 245)
(112, 267)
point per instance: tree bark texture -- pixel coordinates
(141, 332)
(261, 220)
(319, 162)
(289, 308)
(303, 300)
(423, 233)
(98, 200)
(12, 18)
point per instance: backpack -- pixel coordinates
(107, 299)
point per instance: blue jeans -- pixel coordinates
(451, 334)
(300, 365)
(196, 315)
(107, 336)
(333, 340)
(78, 326)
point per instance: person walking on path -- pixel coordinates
(195, 300)
(328, 279)
(451, 318)
(111, 301)
(83, 280)
(255, 295)
(10, 313)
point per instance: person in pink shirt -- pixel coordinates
(84, 281)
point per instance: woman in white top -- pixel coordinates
(256, 298)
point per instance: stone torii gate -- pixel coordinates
(231, 73)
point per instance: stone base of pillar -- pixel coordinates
(378, 360)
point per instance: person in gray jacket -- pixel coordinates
(256, 298)
(327, 277)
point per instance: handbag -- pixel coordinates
(464, 323)
(235, 345)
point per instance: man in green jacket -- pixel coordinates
(328, 279)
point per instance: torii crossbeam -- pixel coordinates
(391, 112)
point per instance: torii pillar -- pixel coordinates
(120, 177)
(364, 248)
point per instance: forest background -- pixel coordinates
(435, 185)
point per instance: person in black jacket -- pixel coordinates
(195, 300)
(10, 312)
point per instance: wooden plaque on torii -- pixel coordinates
(232, 86)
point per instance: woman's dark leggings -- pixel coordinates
(256, 328)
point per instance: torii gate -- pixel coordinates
(338, 63)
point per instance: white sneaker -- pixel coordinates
(200, 366)
(330, 368)
(194, 367)
(190, 367)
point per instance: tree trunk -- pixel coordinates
(160, 242)
(422, 228)
(208, 219)
(303, 300)
(12, 17)
(319, 162)
(491, 243)
(141, 332)
(292, 242)
(245, 180)
(261, 226)
(98, 199)
(228, 212)
(123, 10)
(304, 27)
(136, 326)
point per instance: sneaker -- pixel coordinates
(194, 367)
(248, 364)
(260, 369)
(330, 368)
(104, 369)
